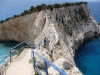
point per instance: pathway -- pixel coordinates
(22, 66)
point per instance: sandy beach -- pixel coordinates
(21, 66)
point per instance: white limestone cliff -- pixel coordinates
(65, 32)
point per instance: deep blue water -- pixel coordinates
(95, 9)
(88, 57)
(87, 60)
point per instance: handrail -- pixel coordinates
(20, 46)
(17, 47)
(48, 62)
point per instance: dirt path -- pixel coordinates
(22, 66)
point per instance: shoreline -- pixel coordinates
(85, 41)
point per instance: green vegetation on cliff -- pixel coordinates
(44, 7)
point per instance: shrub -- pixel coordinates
(44, 6)
(26, 12)
(36, 73)
(14, 16)
(57, 5)
(31, 60)
(20, 51)
(7, 19)
(22, 14)
(32, 8)
(2, 21)
(38, 8)
(50, 7)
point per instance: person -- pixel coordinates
(45, 41)
(47, 44)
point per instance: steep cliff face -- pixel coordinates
(66, 28)
(23, 27)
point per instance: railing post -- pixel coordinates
(34, 60)
(46, 68)
(10, 55)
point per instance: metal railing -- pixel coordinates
(12, 51)
(16, 49)
(46, 63)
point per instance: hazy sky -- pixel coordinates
(84, 0)
(8, 7)
(62, 0)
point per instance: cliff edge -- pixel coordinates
(67, 28)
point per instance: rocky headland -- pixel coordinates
(67, 28)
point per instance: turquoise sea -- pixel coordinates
(88, 58)
(4, 50)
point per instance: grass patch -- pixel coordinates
(6, 64)
(36, 73)
(27, 46)
(31, 60)
(20, 51)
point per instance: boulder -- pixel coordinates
(40, 62)
(60, 63)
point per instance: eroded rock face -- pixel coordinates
(43, 52)
(64, 27)
(64, 65)
(23, 27)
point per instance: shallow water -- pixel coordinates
(88, 58)
(4, 50)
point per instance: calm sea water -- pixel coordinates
(4, 50)
(95, 9)
(87, 60)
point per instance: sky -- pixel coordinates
(62, 0)
(8, 7)
(85, 0)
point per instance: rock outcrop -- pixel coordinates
(66, 28)
(64, 65)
